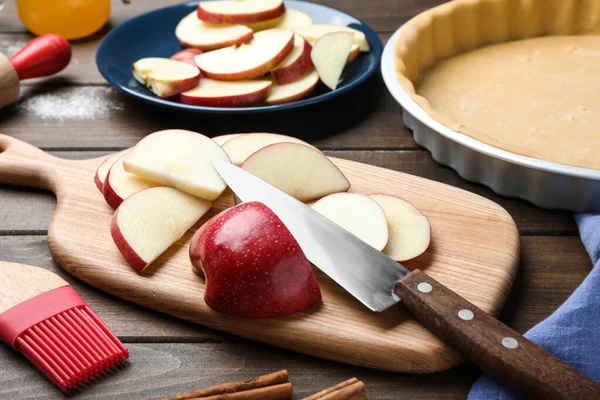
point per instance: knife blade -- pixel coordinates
(379, 282)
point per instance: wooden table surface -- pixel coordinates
(78, 115)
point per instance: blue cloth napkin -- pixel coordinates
(572, 332)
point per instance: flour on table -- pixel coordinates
(10, 47)
(80, 103)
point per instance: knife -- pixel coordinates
(379, 282)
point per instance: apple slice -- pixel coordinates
(192, 32)
(329, 56)
(240, 148)
(290, 20)
(409, 229)
(187, 56)
(247, 61)
(354, 52)
(149, 222)
(120, 184)
(293, 91)
(239, 11)
(214, 93)
(165, 77)
(103, 169)
(298, 170)
(222, 139)
(313, 32)
(296, 65)
(181, 159)
(253, 266)
(358, 214)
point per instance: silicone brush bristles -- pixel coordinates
(61, 335)
(72, 348)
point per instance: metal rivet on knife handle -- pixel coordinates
(424, 287)
(465, 314)
(510, 343)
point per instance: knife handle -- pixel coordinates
(493, 346)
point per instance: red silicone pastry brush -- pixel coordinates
(45, 319)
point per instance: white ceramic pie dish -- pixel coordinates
(543, 183)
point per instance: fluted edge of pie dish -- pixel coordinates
(544, 183)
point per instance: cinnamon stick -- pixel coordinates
(273, 379)
(275, 392)
(352, 389)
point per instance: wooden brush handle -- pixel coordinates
(25, 165)
(9, 82)
(490, 344)
(20, 282)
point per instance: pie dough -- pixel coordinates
(512, 74)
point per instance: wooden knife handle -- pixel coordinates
(493, 346)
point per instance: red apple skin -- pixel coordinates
(112, 198)
(295, 71)
(132, 258)
(215, 18)
(186, 55)
(253, 266)
(240, 100)
(98, 182)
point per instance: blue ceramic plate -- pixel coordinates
(153, 35)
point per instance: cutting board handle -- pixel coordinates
(22, 164)
(490, 344)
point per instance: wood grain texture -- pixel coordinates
(493, 346)
(9, 82)
(392, 340)
(20, 282)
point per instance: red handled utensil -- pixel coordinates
(45, 55)
(45, 319)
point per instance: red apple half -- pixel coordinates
(212, 93)
(250, 60)
(187, 56)
(297, 90)
(253, 266)
(296, 65)
(149, 222)
(165, 77)
(410, 232)
(297, 169)
(192, 32)
(239, 11)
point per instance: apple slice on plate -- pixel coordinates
(297, 90)
(187, 56)
(212, 93)
(329, 56)
(149, 222)
(192, 32)
(354, 53)
(290, 20)
(120, 184)
(222, 139)
(295, 65)
(180, 159)
(313, 32)
(250, 60)
(239, 11)
(241, 147)
(103, 169)
(165, 77)
(358, 214)
(410, 232)
(253, 266)
(298, 170)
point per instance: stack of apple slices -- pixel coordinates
(247, 52)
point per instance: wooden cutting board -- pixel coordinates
(474, 251)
